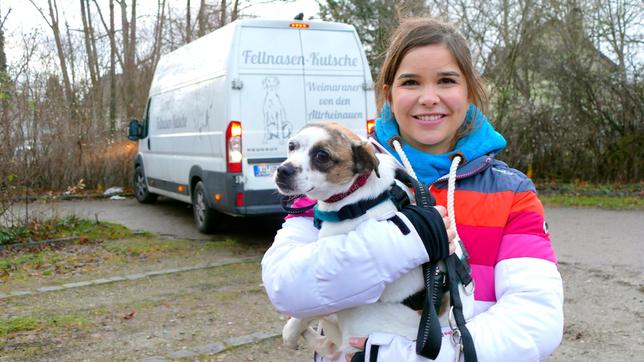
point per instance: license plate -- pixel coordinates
(265, 169)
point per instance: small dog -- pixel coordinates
(325, 162)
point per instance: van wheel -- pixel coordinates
(204, 216)
(141, 192)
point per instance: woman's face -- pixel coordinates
(429, 98)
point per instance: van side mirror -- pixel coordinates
(134, 131)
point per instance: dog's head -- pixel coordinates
(324, 159)
(270, 83)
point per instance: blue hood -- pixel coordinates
(483, 140)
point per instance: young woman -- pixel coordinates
(431, 100)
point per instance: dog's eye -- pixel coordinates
(291, 146)
(322, 157)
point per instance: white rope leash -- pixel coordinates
(451, 186)
(403, 157)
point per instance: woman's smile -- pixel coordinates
(429, 119)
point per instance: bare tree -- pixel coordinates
(112, 71)
(222, 12)
(3, 55)
(235, 12)
(90, 45)
(129, 56)
(52, 22)
(5, 136)
(158, 31)
(202, 19)
(4, 77)
(188, 24)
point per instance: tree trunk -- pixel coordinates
(112, 71)
(129, 56)
(156, 53)
(202, 21)
(131, 79)
(188, 24)
(108, 31)
(222, 13)
(72, 64)
(88, 44)
(5, 137)
(235, 13)
(53, 15)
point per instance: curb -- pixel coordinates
(213, 348)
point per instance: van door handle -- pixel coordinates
(148, 143)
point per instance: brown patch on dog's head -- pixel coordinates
(364, 158)
(343, 155)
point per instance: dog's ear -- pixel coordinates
(364, 158)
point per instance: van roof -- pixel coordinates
(189, 57)
(275, 23)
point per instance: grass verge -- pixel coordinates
(32, 323)
(586, 194)
(62, 227)
(604, 202)
(113, 256)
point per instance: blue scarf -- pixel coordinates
(483, 140)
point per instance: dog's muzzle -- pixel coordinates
(285, 176)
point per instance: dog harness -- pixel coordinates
(347, 212)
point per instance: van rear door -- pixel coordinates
(271, 100)
(335, 78)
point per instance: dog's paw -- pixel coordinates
(290, 341)
(291, 333)
(323, 345)
(328, 349)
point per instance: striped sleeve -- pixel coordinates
(525, 234)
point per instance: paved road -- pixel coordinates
(168, 218)
(594, 237)
(598, 238)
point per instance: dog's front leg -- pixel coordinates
(323, 345)
(293, 330)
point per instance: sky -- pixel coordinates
(24, 18)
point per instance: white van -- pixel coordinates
(222, 108)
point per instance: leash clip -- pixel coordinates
(456, 337)
(469, 288)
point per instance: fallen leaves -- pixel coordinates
(130, 315)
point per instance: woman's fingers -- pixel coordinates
(451, 232)
(358, 342)
(355, 342)
(441, 210)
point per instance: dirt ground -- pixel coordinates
(220, 299)
(215, 308)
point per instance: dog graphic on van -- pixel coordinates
(277, 125)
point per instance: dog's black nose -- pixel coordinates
(286, 170)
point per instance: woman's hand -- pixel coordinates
(451, 233)
(359, 343)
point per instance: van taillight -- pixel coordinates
(234, 147)
(371, 124)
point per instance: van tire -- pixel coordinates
(205, 217)
(141, 192)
